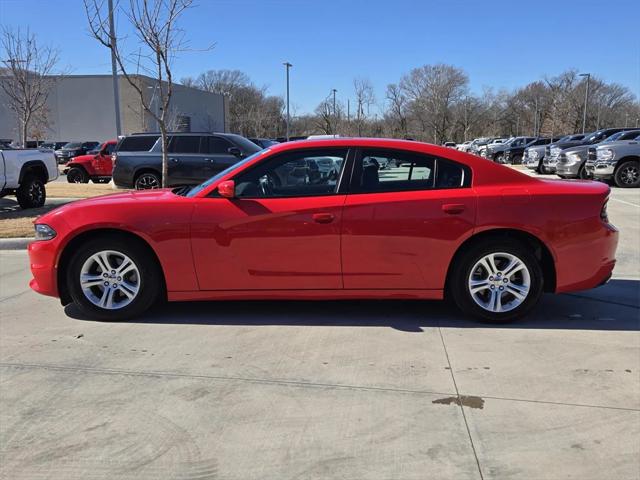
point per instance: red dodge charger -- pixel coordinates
(332, 219)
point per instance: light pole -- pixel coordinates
(114, 70)
(334, 101)
(586, 100)
(288, 66)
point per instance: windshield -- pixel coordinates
(194, 191)
(72, 145)
(613, 138)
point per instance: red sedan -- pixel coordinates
(333, 219)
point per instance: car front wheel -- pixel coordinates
(113, 279)
(77, 175)
(628, 175)
(497, 281)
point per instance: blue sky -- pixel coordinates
(500, 44)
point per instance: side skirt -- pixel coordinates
(306, 295)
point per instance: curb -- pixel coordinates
(15, 243)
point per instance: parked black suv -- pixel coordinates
(193, 157)
(74, 149)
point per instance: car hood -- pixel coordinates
(83, 158)
(106, 201)
(577, 148)
(562, 146)
(618, 143)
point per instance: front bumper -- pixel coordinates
(602, 170)
(569, 170)
(44, 268)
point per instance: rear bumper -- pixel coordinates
(42, 260)
(587, 264)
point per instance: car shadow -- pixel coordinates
(615, 306)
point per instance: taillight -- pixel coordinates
(604, 216)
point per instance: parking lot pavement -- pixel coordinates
(379, 390)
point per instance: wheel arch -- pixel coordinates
(34, 166)
(628, 158)
(77, 240)
(541, 251)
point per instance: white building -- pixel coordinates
(81, 108)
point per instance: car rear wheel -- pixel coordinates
(147, 181)
(113, 279)
(31, 192)
(77, 175)
(498, 158)
(497, 280)
(628, 175)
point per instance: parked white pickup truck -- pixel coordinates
(24, 173)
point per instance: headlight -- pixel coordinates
(605, 154)
(44, 232)
(573, 157)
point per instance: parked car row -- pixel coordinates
(608, 154)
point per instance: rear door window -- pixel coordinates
(185, 144)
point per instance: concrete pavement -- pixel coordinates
(375, 390)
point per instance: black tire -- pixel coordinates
(31, 192)
(583, 174)
(628, 175)
(77, 175)
(516, 160)
(498, 158)
(542, 169)
(458, 282)
(147, 180)
(150, 283)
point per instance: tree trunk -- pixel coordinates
(25, 129)
(165, 154)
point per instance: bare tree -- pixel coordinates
(159, 40)
(364, 98)
(27, 80)
(397, 110)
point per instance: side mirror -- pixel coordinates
(227, 189)
(234, 151)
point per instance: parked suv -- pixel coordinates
(95, 166)
(193, 157)
(570, 159)
(497, 153)
(617, 160)
(73, 149)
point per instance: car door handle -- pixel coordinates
(174, 160)
(209, 160)
(323, 217)
(453, 208)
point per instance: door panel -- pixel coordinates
(404, 240)
(268, 243)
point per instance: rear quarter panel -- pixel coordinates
(565, 216)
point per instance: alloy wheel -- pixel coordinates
(499, 282)
(110, 280)
(147, 181)
(629, 174)
(36, 192)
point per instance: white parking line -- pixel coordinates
(626, 203)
